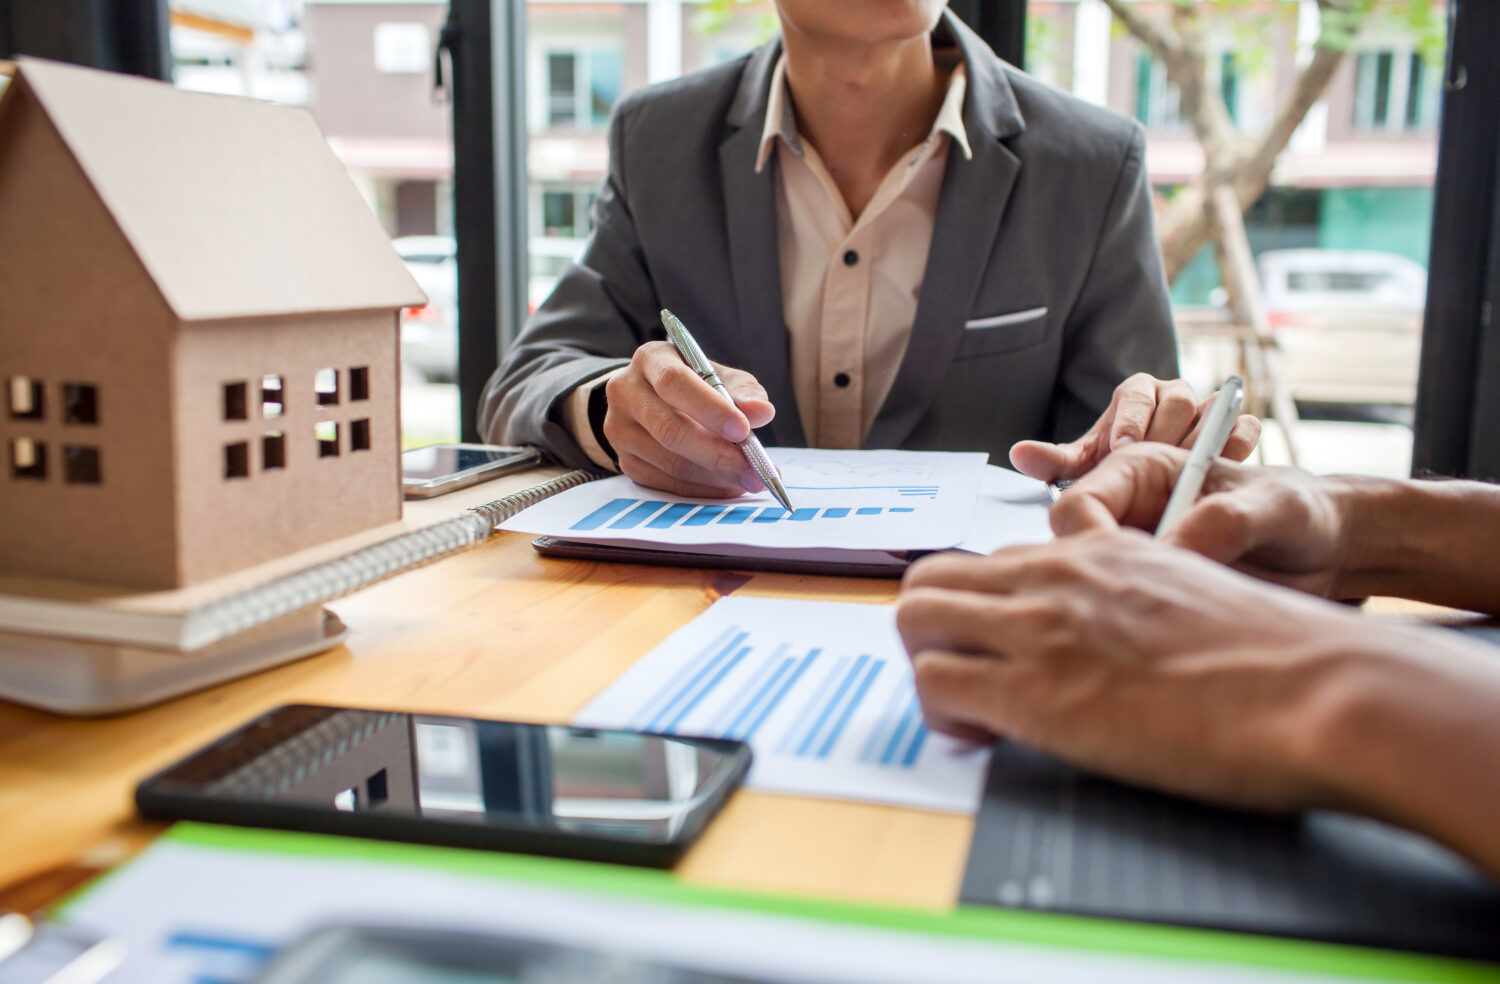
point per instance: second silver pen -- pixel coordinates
(683, 341)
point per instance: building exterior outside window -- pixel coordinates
(1358, 174)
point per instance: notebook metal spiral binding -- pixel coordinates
(344, 575)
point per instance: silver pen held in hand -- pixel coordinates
(750, 447)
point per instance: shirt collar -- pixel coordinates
(782, 122)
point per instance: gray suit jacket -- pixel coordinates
(1053, 211)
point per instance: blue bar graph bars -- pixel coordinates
(813, 720)
(899, 739)
(655, 514)
(694, 681)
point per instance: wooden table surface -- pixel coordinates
(499, 632)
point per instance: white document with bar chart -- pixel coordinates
(860, 500)
(822, 691)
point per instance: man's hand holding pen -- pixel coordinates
(671, 431)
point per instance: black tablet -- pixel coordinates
(623, 796)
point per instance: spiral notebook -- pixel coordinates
(92, 649)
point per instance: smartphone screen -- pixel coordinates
(427, 464)
(443, 779)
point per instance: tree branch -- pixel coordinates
(1154, 34)
(1200, 102)
(1255, 166)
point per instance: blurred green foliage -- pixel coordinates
(714, 16)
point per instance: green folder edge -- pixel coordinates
(963, 922)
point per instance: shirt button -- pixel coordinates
(841, 380)
(850, 257)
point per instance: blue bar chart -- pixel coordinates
(658, 514)
(822, 691)
(880, 501)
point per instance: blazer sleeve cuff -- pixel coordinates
(575, 418)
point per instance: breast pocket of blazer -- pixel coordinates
(1003, 333)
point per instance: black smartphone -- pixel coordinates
(622, 796)
(439, 468)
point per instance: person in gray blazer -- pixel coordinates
(897, 239)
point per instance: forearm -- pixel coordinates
(1431, 541)
(1409, 731)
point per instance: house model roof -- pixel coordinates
(236, 207)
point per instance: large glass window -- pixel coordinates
(363, 68)
(1395, 90)
(582, 57)
(1339, 234)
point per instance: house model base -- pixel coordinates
(88, 679)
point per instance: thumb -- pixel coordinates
(1048, 462)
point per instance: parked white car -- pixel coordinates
(550, 256)
(1349, 322)
(429, 335)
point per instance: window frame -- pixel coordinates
(1457, 428)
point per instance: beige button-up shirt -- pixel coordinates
(849, 286)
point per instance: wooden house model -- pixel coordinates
(199, 337)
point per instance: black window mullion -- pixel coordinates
(1458, 395)
(487, 43)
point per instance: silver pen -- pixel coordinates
(1217, 427)
(750, 447)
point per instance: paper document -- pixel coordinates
(822, 691)
(863, 500)
(189, 913)
(1011, 510)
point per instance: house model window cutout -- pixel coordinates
(236, 405)
(327, 433)
(26, 399)
(195, 285)
(80, 403)
(28, 459)
(271, 390)
(326, 382)
(81, 465)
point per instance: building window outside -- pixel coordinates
(559, 213)
(606, 78)
(563, 211)
(1229, 85)
(583, 86)
(562, 89)
(1158, 103)
(1156, 99)
(1395, 91)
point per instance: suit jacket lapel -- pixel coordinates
(750, 220)
(970, 207)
